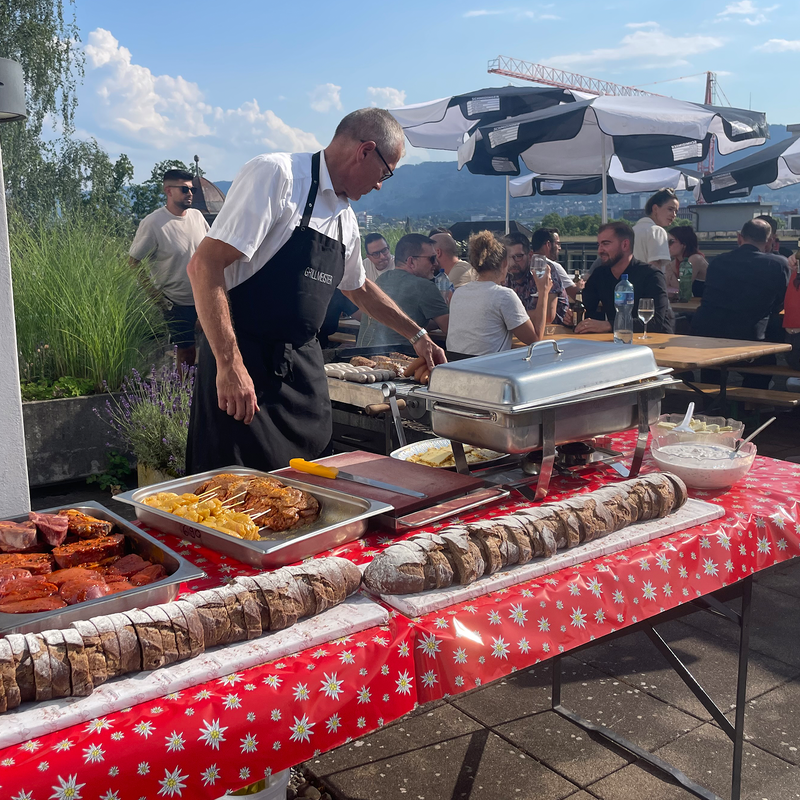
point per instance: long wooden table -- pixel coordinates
(683, 352)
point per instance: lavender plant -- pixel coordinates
(151, 416)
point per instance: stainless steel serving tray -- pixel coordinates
(138, 541)
(549, 373)
(343, 518)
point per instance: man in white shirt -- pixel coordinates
(571, 287)
(379, 258)
(263, 279)
(168, 238)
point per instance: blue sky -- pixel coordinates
(230, 80)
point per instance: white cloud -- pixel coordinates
(749, 12)
(642, 25)
(386, 97)
(780, 46)
(519, 13)
(325, 98)
(650, 47)
(147, 112)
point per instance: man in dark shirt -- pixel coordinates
(410, 284)
(615, 249)
(743, 288)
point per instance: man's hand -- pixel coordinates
(236, 394)
(593, 326)
(432, 353)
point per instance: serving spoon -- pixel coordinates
(684, 427)
(752, 436)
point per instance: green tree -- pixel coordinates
(148, 196)
(45, 40)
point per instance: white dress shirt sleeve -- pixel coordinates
(255, 199)
(354, 275)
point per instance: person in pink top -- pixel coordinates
(791, 315)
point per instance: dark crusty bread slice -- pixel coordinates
(252, 614)
(93, 648)
(8, 675)
(80, 677)
(464, 554)
(350, 573)
(41, 666)
(3, 701)
(281, 593)
(515, 531)
(305, 591)
(179, 629)
(163, 623)
(681, 493)
(437, 571)
(109, 642)
(23, 666)
(488, 543)
(246, 582)
(213, 616)
(139, 646)
(59, 663)
(244, 615)
(194, 625)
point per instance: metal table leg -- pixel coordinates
(735, 732)
(548, 453)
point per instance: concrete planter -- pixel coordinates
(65, 440)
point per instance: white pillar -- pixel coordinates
(508, 204)
(14, 494)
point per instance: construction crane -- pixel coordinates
(538, 73)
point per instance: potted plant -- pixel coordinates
(151, 418)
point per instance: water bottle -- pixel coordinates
(623, 302)
(685, 281)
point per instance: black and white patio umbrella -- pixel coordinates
(579, 138)
(618, 182)
(775, 166)
(445, 124)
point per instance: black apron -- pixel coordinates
(276, 315)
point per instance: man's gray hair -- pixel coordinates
(373, 125)
(756, 231)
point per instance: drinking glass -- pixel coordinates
(539, 266)
(646, 312)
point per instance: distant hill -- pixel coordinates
(438, 189)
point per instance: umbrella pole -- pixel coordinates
(508, 204)
(604, 181)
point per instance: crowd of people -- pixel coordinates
(282, 263)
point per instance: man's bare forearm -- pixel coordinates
(377, 304)
(206, 273)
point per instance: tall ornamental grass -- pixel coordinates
(80, 308)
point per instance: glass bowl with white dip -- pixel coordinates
(704, 429)
(702, 463)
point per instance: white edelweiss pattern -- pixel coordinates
(578, 618)
(518, 614)
(499, 648)
(429, 645)
(249, 744)
(429, 678)
(710, 568)
(404, 683)
(331, 686)
(172, 783)
(364, 695)
(301, 730)
(68, 789)
(460, 656)
(301, 691)
(175, 742)
(92, 754)
(333, 723)
(211, 735)
(210, 775)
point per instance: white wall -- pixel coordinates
(14, 497)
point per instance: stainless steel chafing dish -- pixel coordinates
(554, 393)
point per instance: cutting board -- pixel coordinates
(436, 484)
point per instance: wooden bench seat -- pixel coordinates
(777, 371)
(741, 394)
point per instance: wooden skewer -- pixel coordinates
(260, 513)
(241, 494)
(212, 490)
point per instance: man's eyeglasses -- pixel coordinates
(520, 257)
(385, 164)
(184, 189)
(379, 253)
(432, 259)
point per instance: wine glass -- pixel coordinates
(646, 312)
(539, 266)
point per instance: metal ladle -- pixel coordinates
(752, 436)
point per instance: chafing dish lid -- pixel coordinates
(569, 368)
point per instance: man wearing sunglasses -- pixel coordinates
(379, 258)
(411, 286)
(167, 238)
(263, 280)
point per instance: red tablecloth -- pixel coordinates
(222, 735)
